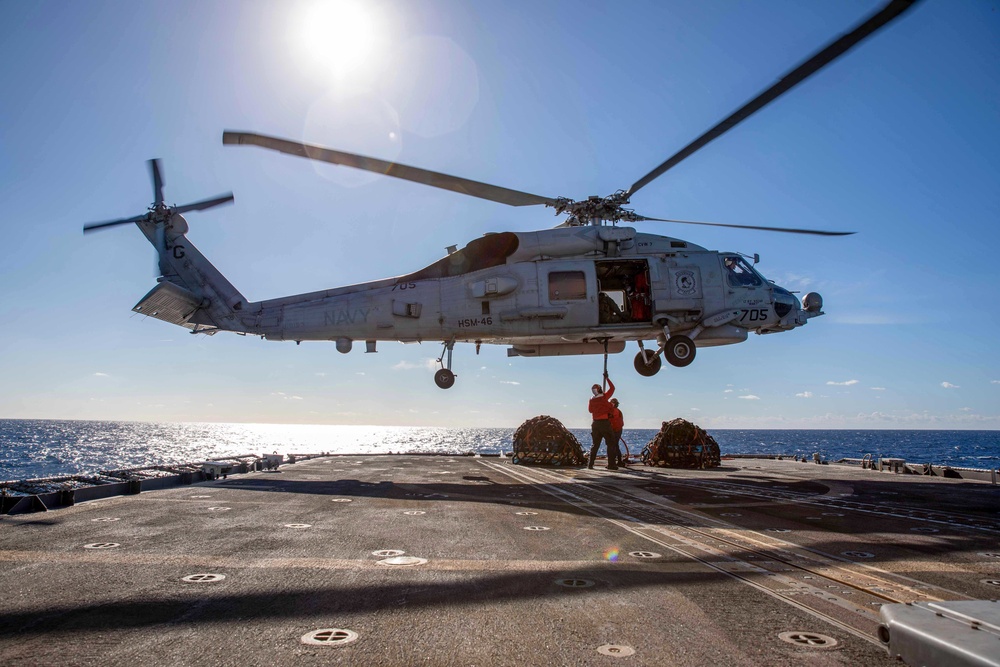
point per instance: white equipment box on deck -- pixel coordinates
(957, 634)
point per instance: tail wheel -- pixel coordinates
(680, 351)
(647, 369)
(444, 378)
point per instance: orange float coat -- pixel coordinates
(617, 419)
(600, 406)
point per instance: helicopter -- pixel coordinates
(587, 286)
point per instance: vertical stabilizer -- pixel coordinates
(192, 292)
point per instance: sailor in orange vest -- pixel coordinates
(617, 425)
(600, 409)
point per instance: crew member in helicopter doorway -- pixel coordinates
(600, 409)
(617, 425)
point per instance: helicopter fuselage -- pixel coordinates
(564, 291)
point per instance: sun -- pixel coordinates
(341, 37)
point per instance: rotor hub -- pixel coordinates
(596, 210)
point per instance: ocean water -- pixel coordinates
(48, 448)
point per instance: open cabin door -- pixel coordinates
(624, 292)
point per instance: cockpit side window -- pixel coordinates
(739, 273)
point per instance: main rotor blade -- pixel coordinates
(202, 205)
(154, 167)
(417, 175)
(113, 223)
(818, 232)
(817, 61)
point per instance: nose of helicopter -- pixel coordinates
(791, 311)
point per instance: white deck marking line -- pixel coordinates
(747, 568)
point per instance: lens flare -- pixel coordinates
(611, 555)
(340, 36)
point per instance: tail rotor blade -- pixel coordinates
(161, 247)
(94, 226)
(202, 205)
(154, 168)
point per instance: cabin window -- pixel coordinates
(567, 286)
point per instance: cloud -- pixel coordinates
(994, 381)
(728, 391)
(509, 382)
(897, 418)
(842, 384)
(101, 375)
(360, 373)
(749, 397)
(966, 409)
(948, 385)
(805, 394)
(695, 409)
(799, 280)
(877, 388)
(409, 365)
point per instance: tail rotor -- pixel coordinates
(160, 215)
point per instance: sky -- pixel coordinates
(899, 141)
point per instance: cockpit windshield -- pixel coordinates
(483, 253)
(739, 273)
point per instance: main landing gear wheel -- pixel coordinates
(650, 369)
(444, 378)
(679, 351)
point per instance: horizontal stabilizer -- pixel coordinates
(174, 304)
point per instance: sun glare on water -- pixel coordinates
(342, 37)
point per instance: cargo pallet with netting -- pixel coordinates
(543, 440)
(681, 444)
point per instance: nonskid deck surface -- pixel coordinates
(474, 561)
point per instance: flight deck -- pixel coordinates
(468, 560)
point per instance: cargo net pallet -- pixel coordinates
(681, 444)
(543, 440)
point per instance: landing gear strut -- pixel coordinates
(444, 378)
